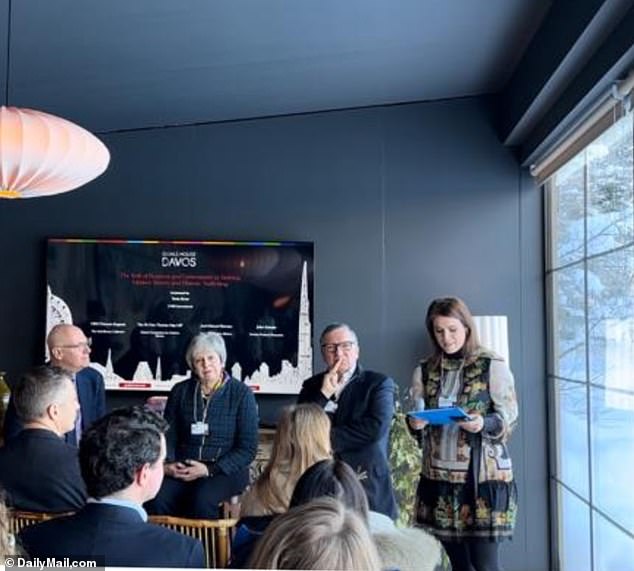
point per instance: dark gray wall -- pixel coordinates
(404, 203)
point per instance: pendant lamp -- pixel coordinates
(41, 154)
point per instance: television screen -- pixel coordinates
(141, 302)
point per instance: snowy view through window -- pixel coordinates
(590, 280)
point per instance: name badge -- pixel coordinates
(200, 429)
(331, 406)
(444, 402)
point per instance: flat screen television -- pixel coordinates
(141, 302)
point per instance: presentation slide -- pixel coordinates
(141, 302)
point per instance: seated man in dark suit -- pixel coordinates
(360, 404)
(38, 470)
(121, 459)
(70, 350)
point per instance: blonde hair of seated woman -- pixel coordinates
(302, 439)
(322, 534)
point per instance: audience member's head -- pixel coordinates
(122, 455)
(302, 438)
(332, 478)
(68, 347)
(322, 534)
(46, 397)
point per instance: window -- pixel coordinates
(590, 285)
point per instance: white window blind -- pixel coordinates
(607, 111)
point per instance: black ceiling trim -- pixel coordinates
(542, 63)
(612, 61)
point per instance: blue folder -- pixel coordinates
(441, 415)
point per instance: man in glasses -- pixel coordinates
(70, 350)
(360, 404)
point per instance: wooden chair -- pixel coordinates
(214, 534)
(230, 509)
(18, 519)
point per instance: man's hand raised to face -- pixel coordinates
(333, 378)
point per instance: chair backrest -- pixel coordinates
(215, 535)
(18, 520)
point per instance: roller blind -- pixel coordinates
(607, 111)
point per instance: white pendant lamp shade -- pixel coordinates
(41, 154)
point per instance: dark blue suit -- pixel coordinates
(361, 430)
(115, 533)
(92, 402)
(40, 472)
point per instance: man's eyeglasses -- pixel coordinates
(332, 347)
(81, 345)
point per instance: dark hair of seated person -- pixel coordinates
(115, 447)
(335, 479)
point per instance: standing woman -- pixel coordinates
(212, 437)
(466, 495)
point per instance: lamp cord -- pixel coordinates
(8, 72)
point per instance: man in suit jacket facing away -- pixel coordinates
(69, 349)
(38, 470)
(361, 406)
(121, 459)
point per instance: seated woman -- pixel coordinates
(403, 549)
(302, 438)
(322, 534)
(212, 437)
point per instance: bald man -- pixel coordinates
(70, 350)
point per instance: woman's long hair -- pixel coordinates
(302, 438)
(456, 308)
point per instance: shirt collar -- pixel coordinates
(346, 378)
(121, 503)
